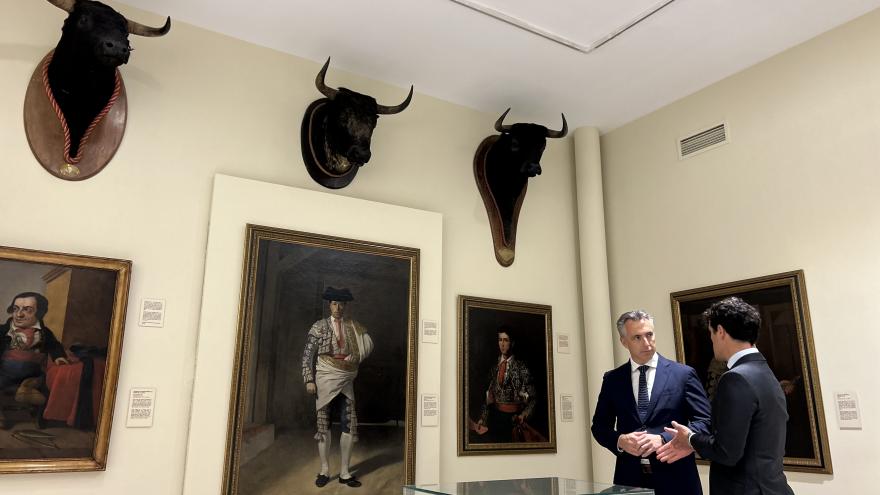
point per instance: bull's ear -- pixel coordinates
(84, 22)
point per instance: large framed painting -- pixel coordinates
(785, 339)
(60, 348)
(505, 377)
(324, 383)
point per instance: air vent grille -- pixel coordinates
(703, 140)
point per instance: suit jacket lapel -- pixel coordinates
(661, 376)
(625, 377)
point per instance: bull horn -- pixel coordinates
(65, 5)
(561, 133)
(383, 110)
(139, 29)
(499, 124)
(319, 82)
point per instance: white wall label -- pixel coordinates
(848, 417)
(430, 410)
(566, 407)
(563, 345)
(141, 403)
(430, 332)
(152, 313)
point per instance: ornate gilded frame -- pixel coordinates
(786, 339)
(247, 338)
(478, 321)
(115, 271)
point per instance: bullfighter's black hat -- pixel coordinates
(332, 294)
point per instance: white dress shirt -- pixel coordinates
(736, 356)
(649, 375)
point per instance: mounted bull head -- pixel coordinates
(336, 132)
(502, 167)
(79, 81)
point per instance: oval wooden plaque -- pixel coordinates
(46, 136)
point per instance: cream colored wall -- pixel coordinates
(201, 104)
(795, 189)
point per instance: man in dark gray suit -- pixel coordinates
(746, 443)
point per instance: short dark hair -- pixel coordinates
(509, 332)
(42, 303)
(740, 319)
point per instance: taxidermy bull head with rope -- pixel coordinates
(336, 132)
(80, 82)
(503, 165)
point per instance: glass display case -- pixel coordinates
(531, 486)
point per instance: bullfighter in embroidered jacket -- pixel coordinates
(510, 397)
(334, 349)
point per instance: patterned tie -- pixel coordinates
(502, 370)
(643, 393)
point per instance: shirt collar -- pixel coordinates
(13, 328)
(739, 354)
(652, 363)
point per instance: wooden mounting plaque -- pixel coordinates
(46, 136)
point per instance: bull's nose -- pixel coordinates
(361, 155)
(116, 52)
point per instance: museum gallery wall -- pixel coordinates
(757, 206)
(151, 205)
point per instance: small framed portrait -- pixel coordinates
(505, 377)
(60, 348)
(785, 339)
(325, 368)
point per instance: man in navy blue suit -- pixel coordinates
(640, 398)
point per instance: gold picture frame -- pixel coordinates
(785, 339)
(284, 275)
(49, 428)
(529, 327)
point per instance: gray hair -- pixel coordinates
(634, 315)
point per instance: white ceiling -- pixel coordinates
(460, 55)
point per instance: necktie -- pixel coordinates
(340, 339)
(502, 369)
(643, 393)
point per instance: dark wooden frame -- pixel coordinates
(121, 270)
(504, 247)
(514, 314)
(786, 339)
(246, 336)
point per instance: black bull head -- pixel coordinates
(82, 73)
(502, 167)
(337, 130)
